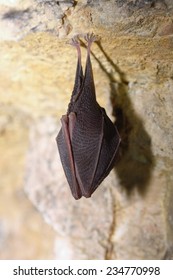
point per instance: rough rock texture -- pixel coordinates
(130, 216)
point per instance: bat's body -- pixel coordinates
(88, 141)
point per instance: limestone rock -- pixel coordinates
(130, 215)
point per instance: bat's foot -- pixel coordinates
(75, 41)
(90, 37)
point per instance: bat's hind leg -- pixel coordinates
(90, 38)
(76, 43)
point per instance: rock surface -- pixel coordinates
(130, 216)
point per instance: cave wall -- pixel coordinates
(130, 216)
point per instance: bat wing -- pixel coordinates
(86, 144)
(64, 146)
(94, 150)
(108, 151)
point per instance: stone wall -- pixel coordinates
(130, 216)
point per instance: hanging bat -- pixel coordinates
(88, 140)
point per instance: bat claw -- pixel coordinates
(75, 41)
(90, 37)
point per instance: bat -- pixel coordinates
(88, 141)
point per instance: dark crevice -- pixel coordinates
(110, 245)
(15, 14)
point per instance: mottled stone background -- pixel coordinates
(130, 216)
